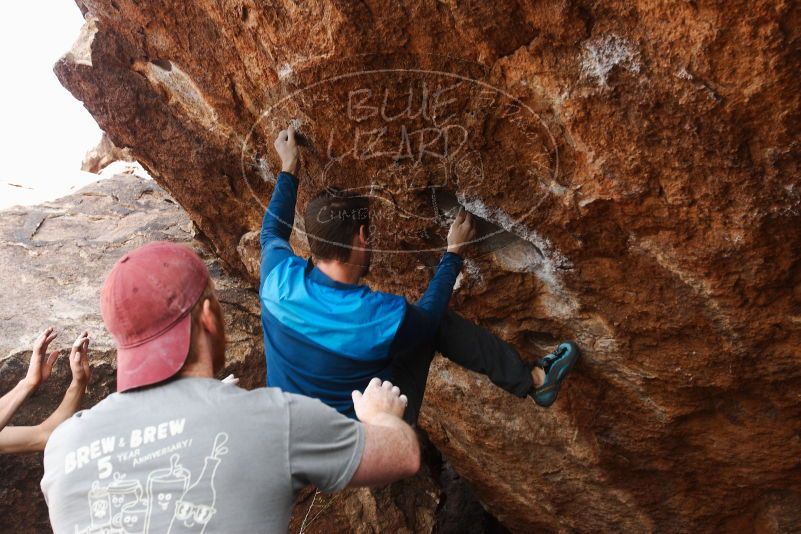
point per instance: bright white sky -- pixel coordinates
(44, 131)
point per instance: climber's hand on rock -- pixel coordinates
(287, 147)
(379, 399)
(462, 231)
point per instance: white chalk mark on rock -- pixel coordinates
(285, 71)
(471, 271)
(537, 255)
(601, 54)
(183, 93)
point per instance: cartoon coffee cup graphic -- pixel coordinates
(122, 492)
(132, 517)
(164, 487)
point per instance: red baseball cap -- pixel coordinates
(146, 303)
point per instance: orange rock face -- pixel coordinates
(637, 171)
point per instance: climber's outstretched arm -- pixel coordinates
(422, 319)
(280, 215)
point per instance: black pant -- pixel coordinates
(468, 345)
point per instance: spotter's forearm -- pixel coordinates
(11, 401)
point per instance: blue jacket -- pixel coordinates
(324, 338)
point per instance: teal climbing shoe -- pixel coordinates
(556, 366)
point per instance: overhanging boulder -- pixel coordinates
(639, 166)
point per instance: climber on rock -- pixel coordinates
(14, 439)
(326, 334)
(175, 450)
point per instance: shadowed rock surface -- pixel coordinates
(56, 257)
(642, 159)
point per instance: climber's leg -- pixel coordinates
(476, 349)
(410, 373)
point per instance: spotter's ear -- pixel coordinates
(208, 317)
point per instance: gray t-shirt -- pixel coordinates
(194, 455)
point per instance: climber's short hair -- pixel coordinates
(331, 220)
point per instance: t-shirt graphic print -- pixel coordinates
(168, 495)
(194, 456)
